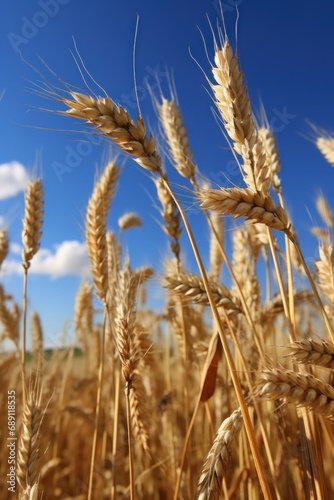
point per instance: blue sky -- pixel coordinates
(286, 52)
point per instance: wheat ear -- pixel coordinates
(28, 453)
(128, 220)
(177, 137)
(115, 122)
(83, 314)
(33, 220)
(298, 388)
(313, 351)
(233, 103)
(96, 227)
(36, 335)
(218, 458)
(191, 286)
(326, 147)
(4, 245)
(171, 217)
(244, 202)
(325, 268)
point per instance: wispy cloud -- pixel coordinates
(13, 179)
(67, 258)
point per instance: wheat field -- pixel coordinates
(226, 391)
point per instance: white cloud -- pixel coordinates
(15, 248)
(13, 179)
(68, 258)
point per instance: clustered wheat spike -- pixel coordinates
(218, 458)
(190, 286)
(125, 301)
(170, 215)
(83, 313)
(29, 452)
(268, 139)
(4, 245)
(298, 388)
(326, 147)
(128, 220)
(313, 352)
(325, 211)
(177, 137)
(325, 268)
(233, 103)
(33, 220)
(114, 121)
(246, 203)
(10, 318)
(36, 334)
(96, 227)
